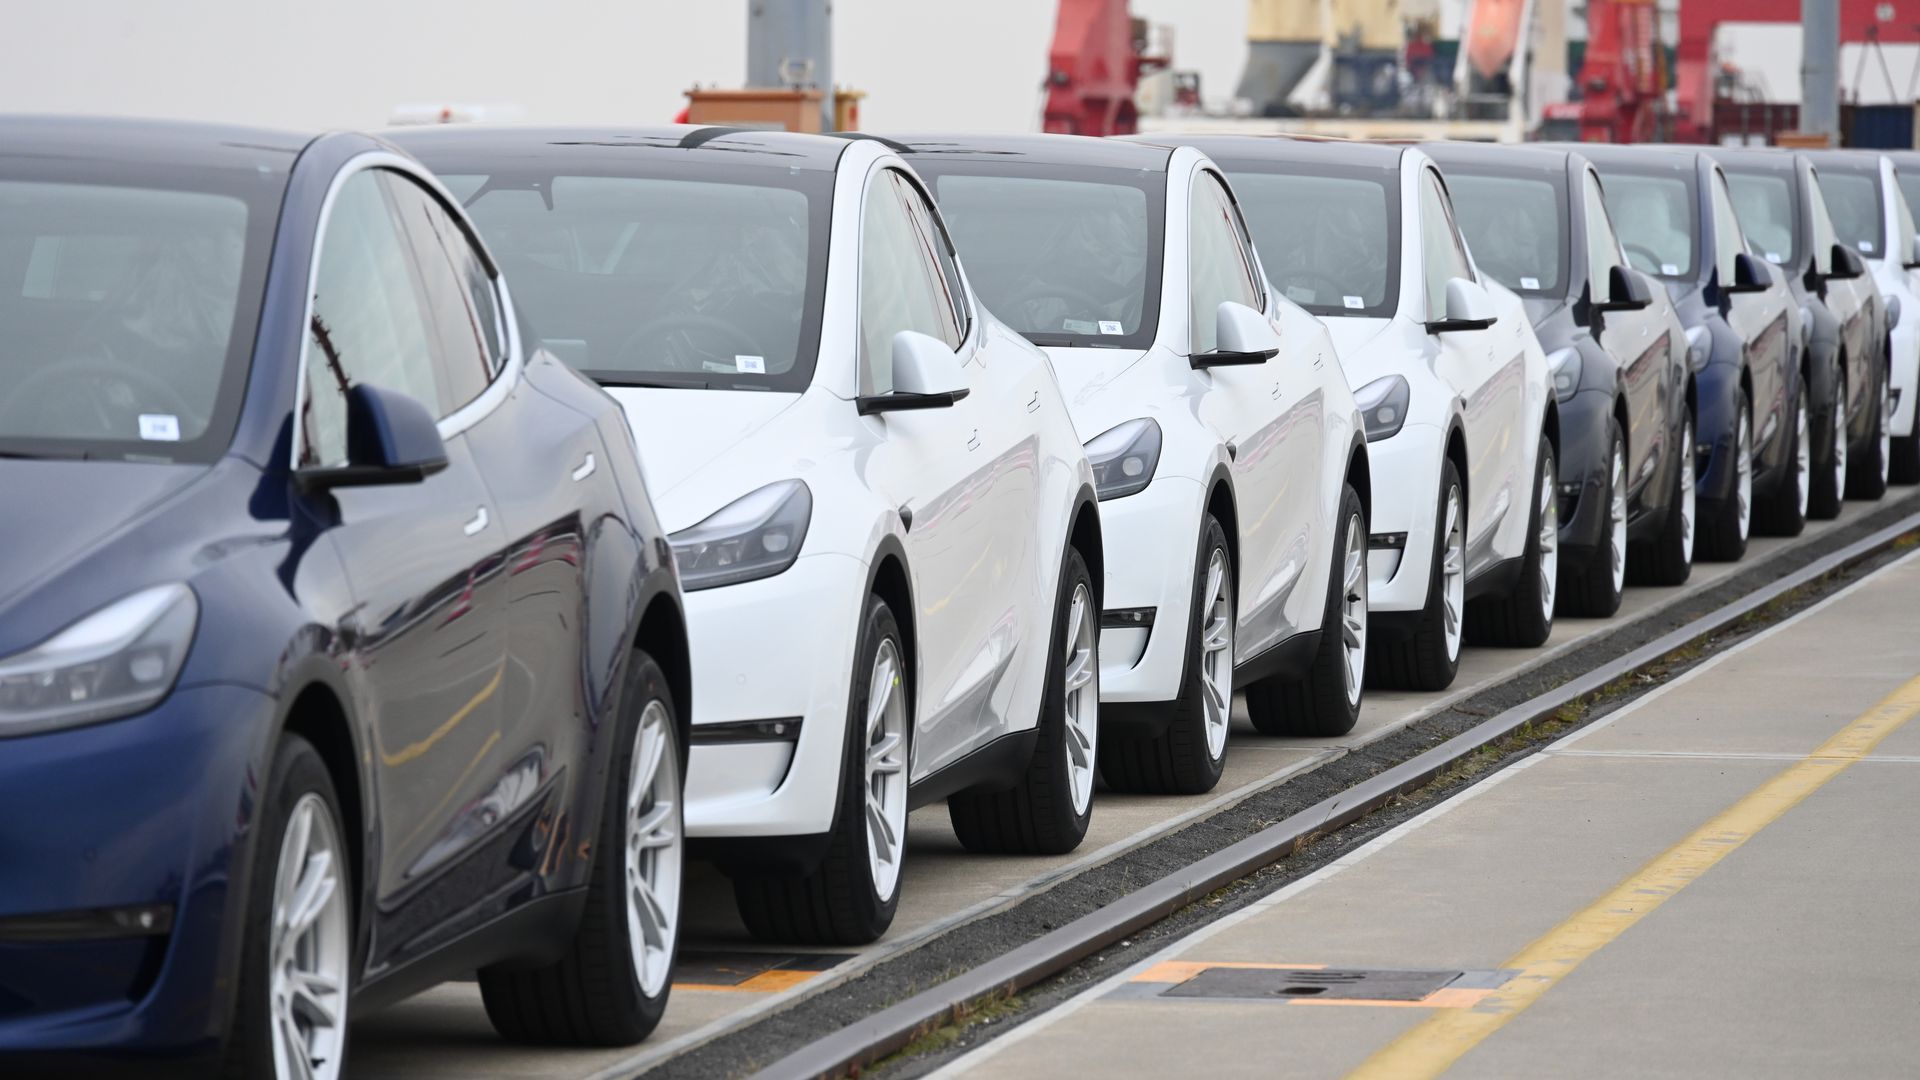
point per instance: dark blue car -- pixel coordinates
(340, 651)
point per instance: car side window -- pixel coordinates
(1603, 247)
(369, 323)
(458, 290)
(901, 287)
(1219, 265)
(1903, 241)
(926, 225)
(1728, 241)
(1443, 257)
(1823, 235)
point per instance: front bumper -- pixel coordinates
(1718, 394)
(1582, 483)
(777, 649)
(148, 812)
(1151, 539)
(1904, 377)
(1406, 491)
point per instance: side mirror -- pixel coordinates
(391, 439)
(1627, 290)
(1469, 307)
(1847, 263)
(1750, 274)
(1241, 336)
(926, 375)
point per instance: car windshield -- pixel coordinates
(1909, 185)
(1515, 226)
(1066, 256)
(1329, 242)
(1853, 201)
(706, 281)
(129, 304)
(1763, 201)
(1655, 219)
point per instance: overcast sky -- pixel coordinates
(954, 64)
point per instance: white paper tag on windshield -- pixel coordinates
(1299, 295)
(1529, 282)
(1077, 326)
(1109, 327)
(1866, 246)
(750, 365)
(1354, 301)
(1669, 269)
(160, 427)
(1774, 258)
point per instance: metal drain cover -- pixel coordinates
(1324, 984)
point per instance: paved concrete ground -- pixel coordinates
(444, 1032)
(1604, 931)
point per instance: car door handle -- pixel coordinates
(585, 470)
(478, 523)
(1034, 405)
(973, 441)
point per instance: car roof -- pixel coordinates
(710, 144)
(1752, 159)
(1042, 149)
(1854, 161)
(135, 140)
(1288, 149)
(1478, 153)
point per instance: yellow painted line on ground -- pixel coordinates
(1432, 1046)
(767, 982)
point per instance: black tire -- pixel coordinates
(1419, 660)
(1524, 617)
(1869, 465)
(1721, 538)
(295, 772)
(1667, 557)
(1904, 468)
(591, 995)
(1036, 816)
(1783, 512)
(1179, 761)
(1320, 705)
(1590, 590)
(838, 901)
(1829, 490)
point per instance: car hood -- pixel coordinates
(1085, 374)
(1350, 334)
(60, 511)
(1540, 309)
(680, 432)
(1552, 321)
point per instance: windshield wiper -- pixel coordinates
(648, 381)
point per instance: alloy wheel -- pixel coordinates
(886, 769)
(1802, 454)
(1617, 527)
(1840, 441)
(1353, 609)
(1689, 491)
(1886, 434)
(1216, 652)
(1743, 474)
(654, 846)
(1082, 697)
(1453, 572)
(307, 941)
(1549, 538)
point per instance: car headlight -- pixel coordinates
(755, 536)
(1563, 367)
(1124, 457)
(1699, 347)
(1383, 406)
(1893, 312)
(120, 660)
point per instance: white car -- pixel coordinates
(1230, 465)
(884, 522)
(1452, 387)
(1870, 213)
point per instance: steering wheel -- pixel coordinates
(81, 381)
(1653, 260)
(650, 344)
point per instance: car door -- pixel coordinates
(933, 464)
(1760, 318)
(426, 637)
(540, 461)
(1267, 414)
(1639, 340)
(1849, 299)
(1490, 384)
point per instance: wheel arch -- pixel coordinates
(888, 579)
(1084, 536)
(662, 635)
(1225, 509)
(318, 713)
(1456, 452)
(1359, 474)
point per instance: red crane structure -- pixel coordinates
(1093, 67)
(1623, 78)
(1860, 21)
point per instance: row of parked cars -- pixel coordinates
(420, 547)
